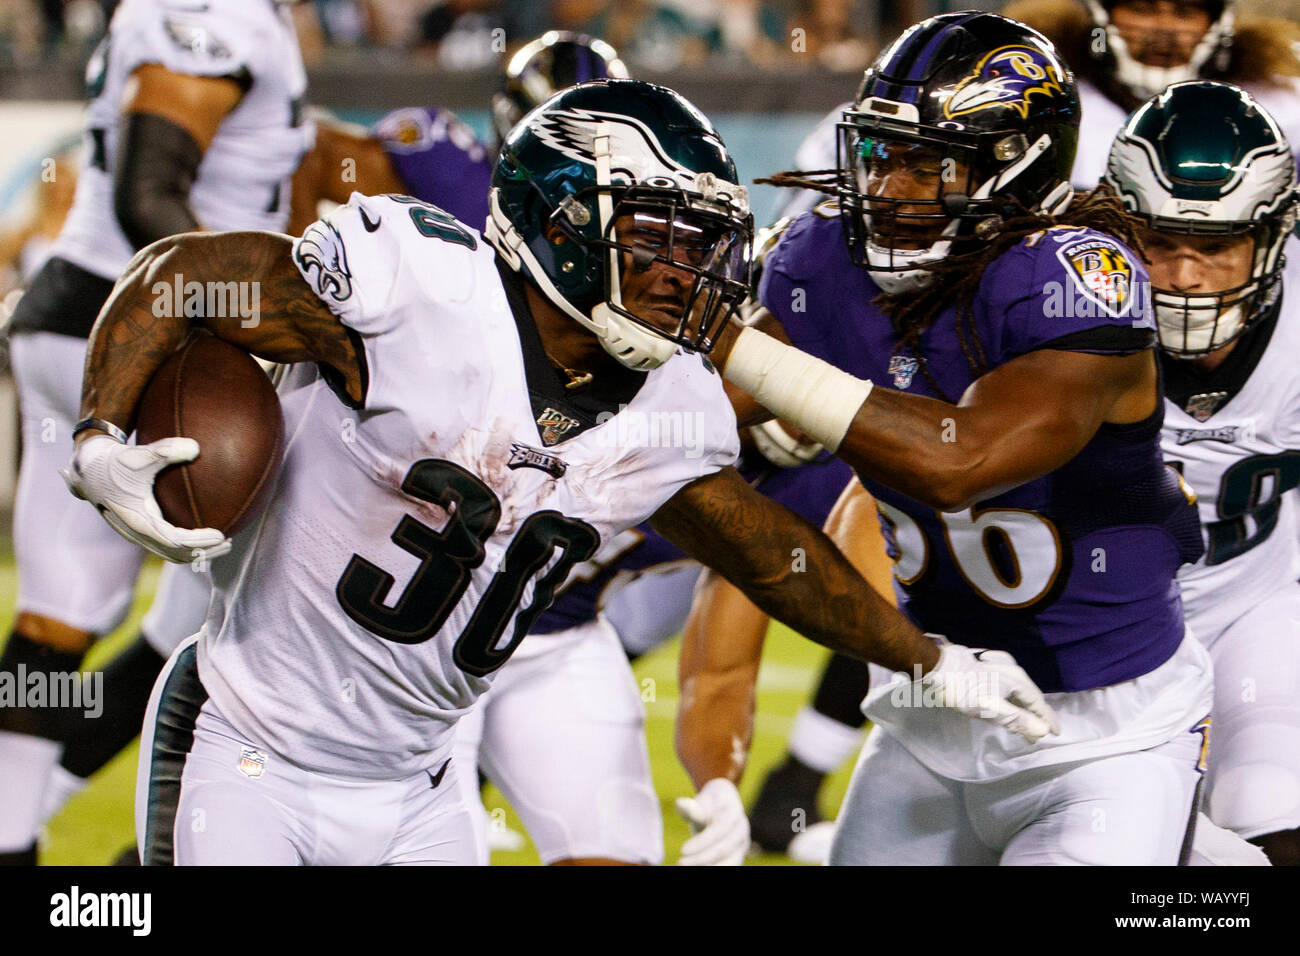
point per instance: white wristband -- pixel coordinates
(812, 395)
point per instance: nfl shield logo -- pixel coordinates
(252, 762)
(902, 367)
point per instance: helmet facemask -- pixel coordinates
(1141, 81)
(620, 204)
(1192, 324)
(706, 242)
(958, 189)
(705, 234)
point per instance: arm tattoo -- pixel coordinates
(790, 569)
(143, 323)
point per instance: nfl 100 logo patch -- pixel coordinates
(252, 762)
(903, 368)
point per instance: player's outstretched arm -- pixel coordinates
(790, 570)
(722, 644)
(138, 327)
(793, 572)
(717, 671)
(1017, 422)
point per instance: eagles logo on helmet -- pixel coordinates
(601, 151)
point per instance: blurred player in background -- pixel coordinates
(1125, 51)
(1036, 515)
(1212, 176)
(193, 123)
(617, 244)
(24, 248)
(428, 152)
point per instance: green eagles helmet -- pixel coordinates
(1205, 158)
(629, 151)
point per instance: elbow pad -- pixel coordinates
(157, 163)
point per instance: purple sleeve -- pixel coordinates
(1070, 289)
(791, 279)
(440, 159)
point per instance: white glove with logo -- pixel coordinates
(118, 480)
(718, 820)
(990, 685)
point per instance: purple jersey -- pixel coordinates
(440, 159)
(1073, 573)
(809, 490)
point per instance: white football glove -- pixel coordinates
(990, 685)
(118, 480)
(721, 827)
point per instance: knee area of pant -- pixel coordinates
(1248, 795)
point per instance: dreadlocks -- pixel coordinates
(957, 278)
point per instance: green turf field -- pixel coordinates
(95, 826)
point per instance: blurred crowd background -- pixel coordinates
(472, 34)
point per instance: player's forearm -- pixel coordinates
(722, 645)
(940, 454)
(929, 450)
(791, 571)
(715, 725)
(823, 598)
(131, 339)
(251, 294)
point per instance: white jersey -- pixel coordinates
(409, 544)
(1242, 461)
(243, 180)
(1103, 119)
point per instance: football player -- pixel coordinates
(193, 122)
(1015, 459)
(310, 721)
(1212, 177)
(1122, 52)
(1125, 51)
(424, 152)
(561, 731)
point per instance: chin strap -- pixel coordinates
(634, 347)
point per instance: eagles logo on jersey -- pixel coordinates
(320, 255)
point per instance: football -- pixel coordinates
(218, 395)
